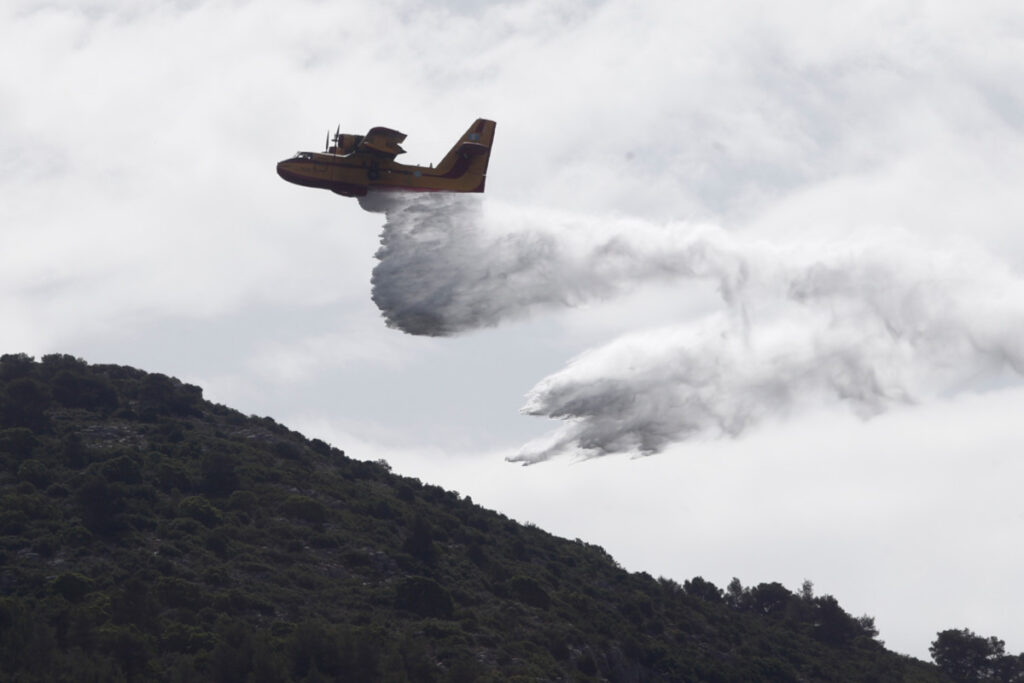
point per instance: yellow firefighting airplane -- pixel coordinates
(356, 164)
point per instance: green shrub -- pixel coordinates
(177, 637)
(100, 502)
(425, 597)
(15, 365)
(242, 500)
(122, 468)
(218, 474)
(73, 389)
(18, 441)
(73, 586)
(35, 472)
(528, 591)
(23, 403)
(172, 475)
(174, 592)
(199, 508)
(76, 536)
(305, 508)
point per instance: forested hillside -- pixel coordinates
(147, 534)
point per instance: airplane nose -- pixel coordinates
(284, 169)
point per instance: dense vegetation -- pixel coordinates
(968, 657)
(147, 534)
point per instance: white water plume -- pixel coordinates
(873, 320)
(451, 263)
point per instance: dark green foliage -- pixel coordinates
(76, 536)
(866, 626)
(287, 450)
(219, 476)
(99, 504)
(704, 590)
(133, 603)
(305, 509)
(72, 586)
(1008, 668)
(242, 500)
(18, 442)
(528, 591)
(425, 597)
(146, 534)
(161, 395)
(172, 475)
(15, 365)
(769, 598)
(55, 363)
(199, 508)
(172, 591)
(73, 453)
(75, 389)
(832, 624)
(34, 472)
(735, 595)
(15, 629)
(23, 403)
(967, 657)
(130, 648)
(420, 542)
(122, 468)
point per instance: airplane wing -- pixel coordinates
(384, 142)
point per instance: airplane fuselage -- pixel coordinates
(358, 164)
(353, 175)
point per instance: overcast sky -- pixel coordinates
(766, 262)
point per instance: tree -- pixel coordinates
(528, 591)
(420, 542)
(867, 625)
(769, 598)
(735, 595)
(701, 588)
(99, 504)
(1009, 668)
(832, 624)
(23, 404)
(425, 597)
(219, 475)
(966, 656)
(75, 389)
(14, 365)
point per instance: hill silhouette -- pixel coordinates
(148, 534)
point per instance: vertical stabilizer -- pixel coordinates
(469, 157)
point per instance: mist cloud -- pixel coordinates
(863, 326)
(873, 321)
(451, 263)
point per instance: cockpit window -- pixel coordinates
(303, 155)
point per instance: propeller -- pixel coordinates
(327, 141)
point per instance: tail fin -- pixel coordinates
(469, 157)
